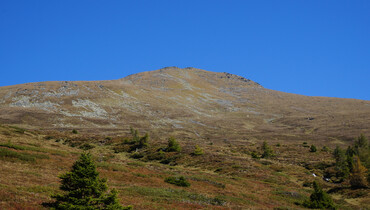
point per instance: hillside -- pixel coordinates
(239, 145)
(188, 103)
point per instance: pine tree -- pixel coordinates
(83, 189)
(267, 151)
(319, 199)
(361, 142)
(198, 150)
(341, 163)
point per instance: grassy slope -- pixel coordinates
(224, 177)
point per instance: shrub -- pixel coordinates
(267, 151)
(83, 189)
(319, 199)
(74, 131)
(173, 145)
(137, 141)
(157, 155)
(325, 149)
(313, 148)
(178, 181)
(198, 150)
(86, 146)
(254, 155)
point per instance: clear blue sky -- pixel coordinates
(316, 48)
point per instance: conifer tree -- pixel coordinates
(319, 199)
(83, 189)
(267, 151)
(198, 150)
(341, 163)
(173, 145)
(358, 175)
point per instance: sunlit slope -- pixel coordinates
(191, 103)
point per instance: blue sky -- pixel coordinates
(316, 48)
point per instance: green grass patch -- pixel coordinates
(21, 147)
(136, 164)
(32, 148)
(6, 153)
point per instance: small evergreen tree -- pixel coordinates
(361, 142)
(84, 189)
(267, 151)
(341, 163)
(135, 135)
(198, 150)
(319, 199)
(143, 142)
(173, 145)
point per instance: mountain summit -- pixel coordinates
(189, 102)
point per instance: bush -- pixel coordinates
(325, 149)
(157, 155)
(254, 155)
(86, 146)
(137, 142)
(74, 131)
(313, 148)
(319, 199)
(83, 189)
(178, 181)
(173, 145)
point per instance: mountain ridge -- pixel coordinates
(189, 103)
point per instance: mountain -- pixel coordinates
(188, 103)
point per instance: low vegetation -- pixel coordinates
(178, 181)
(83, 189)
(169, 173)
(319, 199)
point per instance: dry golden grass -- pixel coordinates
(188, 103)
(225, 177)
